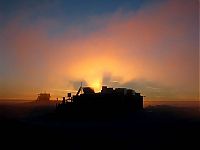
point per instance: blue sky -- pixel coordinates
(75, 11)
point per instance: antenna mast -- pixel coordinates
(79, 90)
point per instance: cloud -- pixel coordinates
(152, 90)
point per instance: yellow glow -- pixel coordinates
(92, 70)
(96, 85)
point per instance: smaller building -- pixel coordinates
(43, 97)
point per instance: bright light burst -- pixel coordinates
(96, 84)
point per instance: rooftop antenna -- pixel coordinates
(79, 90)
(81, 87)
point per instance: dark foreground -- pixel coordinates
(32, 125)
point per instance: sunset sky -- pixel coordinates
(51, 46)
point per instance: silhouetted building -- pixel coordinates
(43, 97)
(108, 101)
(106, 90)
(88, 90)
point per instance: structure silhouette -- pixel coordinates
(109, 101)
(43, 97)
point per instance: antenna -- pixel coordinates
(79, 90)
(81, 87)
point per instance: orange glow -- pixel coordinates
(92, 70)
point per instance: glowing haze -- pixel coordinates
(150, 46)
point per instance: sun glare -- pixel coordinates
(96, 85)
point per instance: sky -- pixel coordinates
(52, 46)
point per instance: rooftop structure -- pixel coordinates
(43, 97)
(109, 100)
